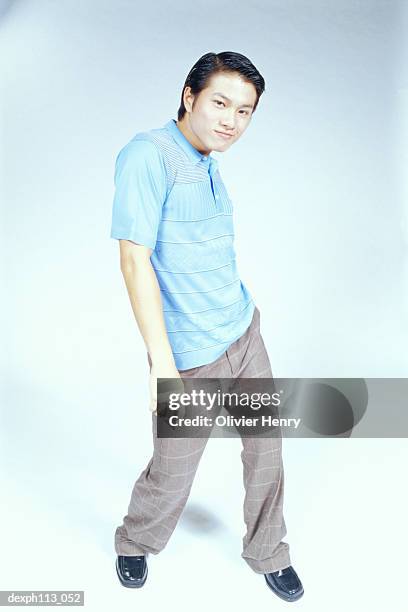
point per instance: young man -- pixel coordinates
(173, 219)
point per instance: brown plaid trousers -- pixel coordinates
(162, 489)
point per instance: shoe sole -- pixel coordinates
(284, 597)
(131, 585)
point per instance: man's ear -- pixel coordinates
(188, 99)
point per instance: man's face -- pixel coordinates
(221, 112)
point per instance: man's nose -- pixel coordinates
(228, 120)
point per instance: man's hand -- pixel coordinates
(165, 370)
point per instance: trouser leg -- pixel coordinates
(159, 495)
(263, 548)
(263, 472)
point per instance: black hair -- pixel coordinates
(213, 63)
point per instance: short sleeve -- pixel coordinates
(140, 192)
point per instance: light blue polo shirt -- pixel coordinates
(171, 198)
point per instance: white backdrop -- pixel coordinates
(321, 236)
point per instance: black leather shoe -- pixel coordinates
(285, 583)
(132, 571)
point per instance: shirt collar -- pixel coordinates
(194, 155)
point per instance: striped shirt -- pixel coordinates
(171, 198)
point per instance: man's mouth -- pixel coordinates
(223, 135)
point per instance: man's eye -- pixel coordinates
(218, 102)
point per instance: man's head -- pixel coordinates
(220, 94)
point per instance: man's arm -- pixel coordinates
(140, 193)
(145, 298)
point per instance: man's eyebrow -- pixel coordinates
(217, 93)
